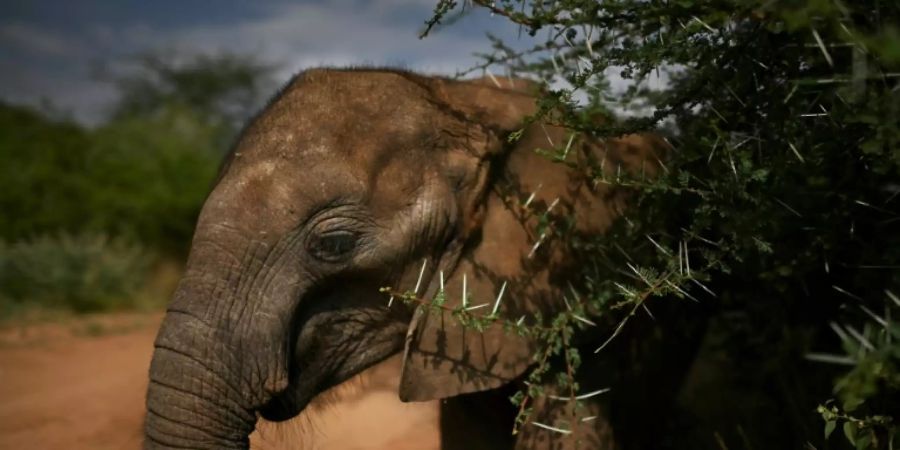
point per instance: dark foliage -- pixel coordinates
(779, 208)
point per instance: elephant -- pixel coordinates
(353, 180)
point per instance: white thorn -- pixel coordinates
(390, 301)
(683, 292)
(845, 292)
(687, 258)
(892, 297)
(482, 305)
(442, 281)
(787, 207)
(796, 152)
(574, 293)
(548, 427)
(587, 62)
(499, 297)
(839, 331)
(660, 247)
(822, 47)
(582, 396)
(491, 76)
(531, 197)
(733, 167)
(536, 245)
(577, 317)
(625, 289)
(874, 316)
(859, 337)
(549, 140)
(552, 205)
(520, 321)
(713, 151)
(703, 287)
(644, 305)
(587, 43)
(705, 25)
(464, 301)
(638, 273)
(555, 65)
(568, 146)
(612, 336)
(791, 94)
(830, 359)
(421, 273)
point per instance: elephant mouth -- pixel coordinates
(303, 388)
(282, 407)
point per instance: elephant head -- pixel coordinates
(350, 181)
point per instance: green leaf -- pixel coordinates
(829, 428)
(850, 432)
(864, 442)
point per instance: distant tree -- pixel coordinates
(223, 89)
(85, 211)
(779, 206)
(149, 175)
(144, 173)
(143, 178)
(42, 171)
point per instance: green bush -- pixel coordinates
(147, 177)
(143, 177)
(41, 171)
(81, 273)
(76, 201)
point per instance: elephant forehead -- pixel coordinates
(329, 136)
(336, 105)
(272, 195)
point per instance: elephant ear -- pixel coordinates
(498, 253)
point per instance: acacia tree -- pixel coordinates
(778, 207)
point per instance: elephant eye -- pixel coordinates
(333, 246)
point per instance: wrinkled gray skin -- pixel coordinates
(344, 184)
(312, 198)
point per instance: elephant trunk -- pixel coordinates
(191, 401)
(217, 361)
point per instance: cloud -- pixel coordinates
(31, 39)
(345, 32)
(293, 35)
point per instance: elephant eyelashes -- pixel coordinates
(334, 246)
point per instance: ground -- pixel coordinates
(80, 385)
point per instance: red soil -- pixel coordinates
(81, 386)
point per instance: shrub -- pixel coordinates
(42, 163)
(147, 177)
(778, 206)
(81, 273)
(140, 177)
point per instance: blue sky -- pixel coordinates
(51, 49)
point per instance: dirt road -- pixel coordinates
(81, 385)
